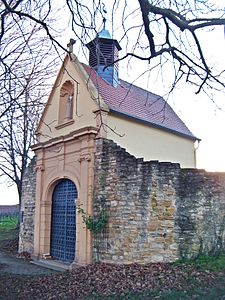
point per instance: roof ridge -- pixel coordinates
(160, 97)
(152, 109)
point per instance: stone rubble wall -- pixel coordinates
(200, 213)
(140, 200)
(157, 211)
(26, 236)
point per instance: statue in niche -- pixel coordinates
(66, 102)
(69, 108)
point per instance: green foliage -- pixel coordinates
(212, 263)
(9, 222)
(8, 227)
(93, 223)
(196, 293)
(203, 262)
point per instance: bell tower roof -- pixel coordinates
(104, 34)
(103, 52)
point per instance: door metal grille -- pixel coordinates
(63, 222)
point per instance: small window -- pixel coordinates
(66, 103)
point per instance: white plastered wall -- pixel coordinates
(150, 143)
(84, 105)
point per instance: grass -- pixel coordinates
(202, 263)
(211, 263)
(203, 291)
(8, 227)
(214, 263)
(196, 293)
(8, 222)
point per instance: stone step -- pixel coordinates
(52, 264)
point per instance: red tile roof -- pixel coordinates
(134, 102)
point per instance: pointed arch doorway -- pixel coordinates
(63, 221)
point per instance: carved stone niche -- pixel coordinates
(66, 103)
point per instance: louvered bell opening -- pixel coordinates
(106, 54)
(93, 61)
(116, 56)
(102, 54)
(106, 59)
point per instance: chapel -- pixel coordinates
(87, 103)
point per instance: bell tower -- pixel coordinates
(103, 51)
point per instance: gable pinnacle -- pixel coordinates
(70, 45)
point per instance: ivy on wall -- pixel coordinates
(93, 223)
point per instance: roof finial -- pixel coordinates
(70, 45)
(104, 12)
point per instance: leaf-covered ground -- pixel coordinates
(106, 281)
(203, 279)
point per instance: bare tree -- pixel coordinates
(25, 81)
(23, 45)
(161, 33)
(165, 32)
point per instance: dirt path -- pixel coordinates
(13, 265)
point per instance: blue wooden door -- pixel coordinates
(63, 221)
